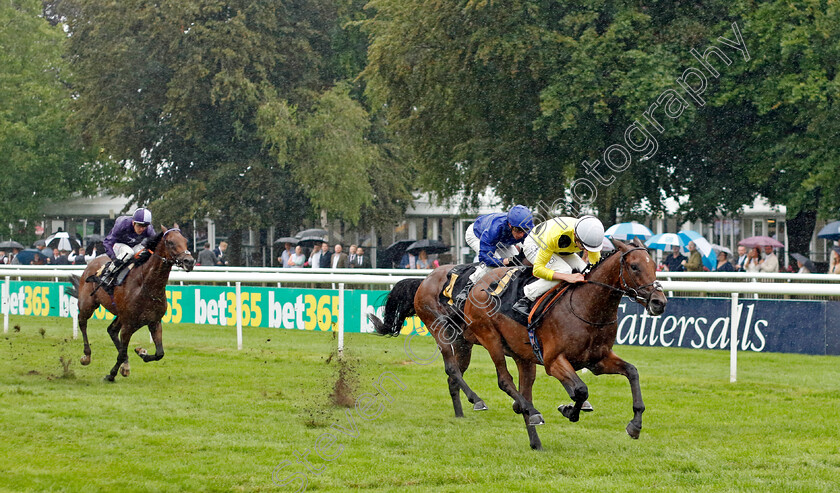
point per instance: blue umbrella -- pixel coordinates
(666, 241)
(25, 257)
(628, 231)
(831, 231)
(707, 252)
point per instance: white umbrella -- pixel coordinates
(62, 241)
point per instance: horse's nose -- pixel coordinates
(656, 305)
(189, 263)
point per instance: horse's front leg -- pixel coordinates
(562, 370)
(156, 329)
(612, 364)
(527, 375)
(520, 403)
(122, 342)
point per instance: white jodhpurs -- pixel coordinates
(502, 251)
(564, 264)
(125, 252)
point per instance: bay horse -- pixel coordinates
(140, 300)
(577, 332)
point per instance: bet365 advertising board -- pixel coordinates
(809, 327)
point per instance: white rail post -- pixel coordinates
(734, 319)
(238, 315)
(340, 320)
(7, 303)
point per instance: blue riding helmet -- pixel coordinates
(520, 216)
(142, 216)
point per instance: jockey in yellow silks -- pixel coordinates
(553, 247)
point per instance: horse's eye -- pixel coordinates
(634, 267)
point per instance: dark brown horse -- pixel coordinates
(140, 300)
(577, 332)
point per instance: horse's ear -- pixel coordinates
(619, 245)
(175, 226)
(637, 242)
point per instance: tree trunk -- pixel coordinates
(235, 247)
(800, 229)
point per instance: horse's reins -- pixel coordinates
(179, 260)
(625, 290)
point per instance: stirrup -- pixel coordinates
(464, 294)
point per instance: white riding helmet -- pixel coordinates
(590, 231)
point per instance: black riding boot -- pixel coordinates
(521, 310)
(110, 274)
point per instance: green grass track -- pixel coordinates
(211, 418)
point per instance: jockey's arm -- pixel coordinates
(487, 249)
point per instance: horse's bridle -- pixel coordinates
(179, 260)
(625, 290)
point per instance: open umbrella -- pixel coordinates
(830, 231)
(721, 248)
(63, 241)
(95, 247)
(25, 257)
(431, 247)
(707, 253)
(11, 244)
(393, 253)
(312, 232)
(666, 241)
(607, 245)
(39, 243)
(628, 231)
(93, 238)
(805, 261)
(310, 241)
(760, 241)
(287, 239)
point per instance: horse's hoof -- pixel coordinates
(568, 412)
(85, 360)
(140, 351)
(535, 420)
(125, 372)
(633, 430)
(479, 406)
(586, 407)
(108, 378)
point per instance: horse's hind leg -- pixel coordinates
(562, 370)
(612, 364)
(86, 309)
(156, 329)
(456, 360)
(527, 375)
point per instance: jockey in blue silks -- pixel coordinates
(493, 237)
(125, 239)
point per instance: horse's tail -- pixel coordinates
(74, 290)
(398, 307)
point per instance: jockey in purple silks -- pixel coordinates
(125, 239)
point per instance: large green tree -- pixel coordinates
(41, 159)
(518, 95)
(186, 95)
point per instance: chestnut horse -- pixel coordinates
(140, 300)
(577, 332)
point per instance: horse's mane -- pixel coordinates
(153, 243)
(604, 258)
